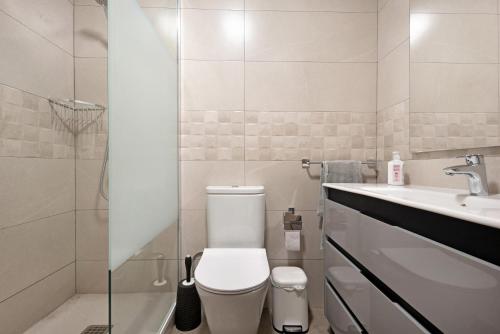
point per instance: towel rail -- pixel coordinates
(306, 163)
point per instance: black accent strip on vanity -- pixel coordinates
(388, 292)
(474, 239)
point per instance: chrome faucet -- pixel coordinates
(475, 171)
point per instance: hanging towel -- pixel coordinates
(339, 171)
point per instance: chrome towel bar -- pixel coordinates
(306, 163)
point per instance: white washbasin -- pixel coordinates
(451, 202)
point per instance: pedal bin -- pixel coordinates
(289, 300)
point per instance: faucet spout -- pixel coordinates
(475, 171)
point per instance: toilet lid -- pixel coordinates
(232, 270)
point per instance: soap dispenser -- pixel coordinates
(395, 170)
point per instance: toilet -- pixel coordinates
(233, 272)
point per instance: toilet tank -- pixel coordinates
(235, 216)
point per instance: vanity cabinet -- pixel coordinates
(396, 281)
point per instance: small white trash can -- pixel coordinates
(289, 300)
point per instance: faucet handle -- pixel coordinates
(472, 159)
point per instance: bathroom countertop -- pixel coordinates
(455, 203)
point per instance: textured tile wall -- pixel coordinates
(440, 130)
(37, 223)
(264, 84)
(90, 35)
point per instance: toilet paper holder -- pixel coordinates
(291, 221)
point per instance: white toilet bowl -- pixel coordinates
(232, 283)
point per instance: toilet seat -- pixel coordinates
(232, 270)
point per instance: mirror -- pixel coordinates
(454, 74)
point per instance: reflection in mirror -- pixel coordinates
(454, 75)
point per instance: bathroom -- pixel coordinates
(116, 115)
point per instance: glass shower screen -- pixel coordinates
(143, 175)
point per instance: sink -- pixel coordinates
(451, 202)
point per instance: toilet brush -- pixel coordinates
(188, 308)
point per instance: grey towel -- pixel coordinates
(339, 171)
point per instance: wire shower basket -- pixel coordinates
(77, 115)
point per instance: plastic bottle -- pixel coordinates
(395, 170)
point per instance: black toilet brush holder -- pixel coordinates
(188, 308)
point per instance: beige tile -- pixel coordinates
(393, 26)
(310, 237)
(212, 34)
(91, 34)
(51, 19)
(87, 185)
(92, 235)
(30, 128)
(454, 6)
(214, 4)
(193, 232)
(32, 304)
(315, 278)
(210, 85)
(47, 72)
(91, 80)
(310, 36)
(158, 3)
(430, 173)
(85, 3)
(35, 188)
(493, 171)
(32, 251)
(459, 88)
(197, 175)
(142, 3)
(281, 193)
(393, 131)
(313, 5)
(91, 142)
(139, 275)
(454, 38)
(382, 4)
(282, 136)
(393, 77)
(212, 135)
(91, 276)
(291, 86)
(449, 131)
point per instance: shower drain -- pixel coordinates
(96, 329)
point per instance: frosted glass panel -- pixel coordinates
(143, 178)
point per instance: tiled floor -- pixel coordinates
(81, 311)
(318, 324)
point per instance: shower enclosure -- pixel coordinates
(70, 260)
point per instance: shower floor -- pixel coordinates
(139, 313)
(74, 315)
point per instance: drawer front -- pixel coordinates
(337, 314)
(342, 225)
(377, 313)
(456, 292)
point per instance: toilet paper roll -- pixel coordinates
(292, 241)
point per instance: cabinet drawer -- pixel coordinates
(456, 292)
(377, 313)
(337, 314)
(342, 225)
